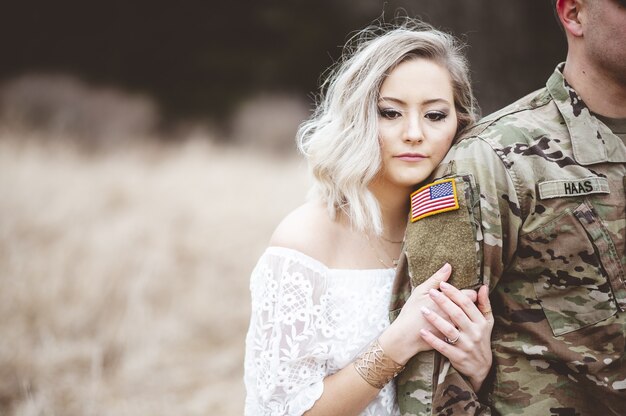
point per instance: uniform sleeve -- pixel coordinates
(479, 240)
(285, 361)
(496, 210)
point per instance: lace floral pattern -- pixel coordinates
(308, 322)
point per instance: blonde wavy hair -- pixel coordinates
(340, 140)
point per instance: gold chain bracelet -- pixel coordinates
(375, 366)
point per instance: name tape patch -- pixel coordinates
(434, 198)
(573, 187)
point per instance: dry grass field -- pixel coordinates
(124, 274)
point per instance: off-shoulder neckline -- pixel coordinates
(285, 251)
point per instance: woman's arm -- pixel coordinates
(347, 392)
(282, 374)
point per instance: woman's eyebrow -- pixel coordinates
(429, 101)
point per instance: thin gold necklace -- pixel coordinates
(393, 261)
(391, 241)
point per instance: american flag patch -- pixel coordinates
(433, 199)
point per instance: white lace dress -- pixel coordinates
(309, 321)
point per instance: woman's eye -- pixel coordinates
(436, 115)
(389, 113)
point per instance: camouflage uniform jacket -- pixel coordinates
(541, 220)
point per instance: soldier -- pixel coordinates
(539, 215)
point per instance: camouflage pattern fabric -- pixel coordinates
(542, 187)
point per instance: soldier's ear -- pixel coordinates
(569, 13)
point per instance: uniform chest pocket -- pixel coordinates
(564, 260)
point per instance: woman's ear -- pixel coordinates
(568, 12)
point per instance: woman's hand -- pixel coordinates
(468, 338)
(403, 339)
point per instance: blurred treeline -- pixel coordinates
(209, 61)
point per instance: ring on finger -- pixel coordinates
(487, 311)
(453, 341)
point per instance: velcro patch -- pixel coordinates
(434, 198)
(450, 238)
(573, 187)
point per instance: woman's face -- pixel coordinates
(417, 121)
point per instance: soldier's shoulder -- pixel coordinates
(511, 123)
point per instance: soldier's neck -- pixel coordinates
(602, 92)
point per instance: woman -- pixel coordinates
(320, 341)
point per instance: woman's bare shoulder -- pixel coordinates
(307, 229)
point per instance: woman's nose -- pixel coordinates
(413, 130)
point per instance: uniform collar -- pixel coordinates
(592, 141)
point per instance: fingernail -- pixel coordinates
(423, 332)
(433, 293)
(445, 267)
(445, 285)
(425, 311)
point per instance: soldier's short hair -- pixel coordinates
(340, 140)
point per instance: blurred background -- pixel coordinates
(146, 154)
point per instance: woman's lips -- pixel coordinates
(411, 157)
